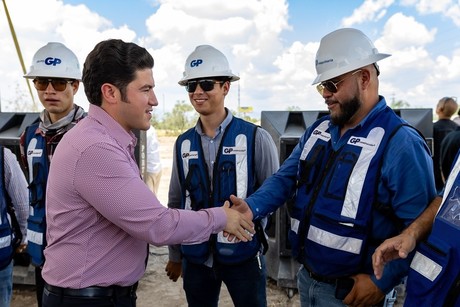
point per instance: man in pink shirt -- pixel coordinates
(101, 216)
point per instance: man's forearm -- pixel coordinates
(421, 227)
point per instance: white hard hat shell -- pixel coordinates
(54, 60)
(342, 51)
(206, 61)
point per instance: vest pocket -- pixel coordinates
(37, 186)
(6, 248)
(227, 181)
(337, 182)
(196, 192)
(334, 248)
(196, 253)
(431, 273)
(309, 168)
(36, 238)
(234, 253)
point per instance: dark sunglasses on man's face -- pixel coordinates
(331, 86)
(58, 84)
(206, 85)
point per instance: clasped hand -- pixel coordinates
(245, 231)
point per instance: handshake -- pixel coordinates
(239, 225)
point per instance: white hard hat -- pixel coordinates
(342, 51)
(206, 61)
(54, 60)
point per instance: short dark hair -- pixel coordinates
(116, 62)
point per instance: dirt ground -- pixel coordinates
(155, 288)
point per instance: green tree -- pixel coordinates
(399, 104)
(154, 121)
(293, 108)
(22, 102)
(182, 117)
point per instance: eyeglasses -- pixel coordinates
(206, 85)
(332, 86)
(58, 84)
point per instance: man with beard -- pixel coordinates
(357, 177)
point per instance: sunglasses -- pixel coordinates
(206, 85)
(331, 86)
(58, 84)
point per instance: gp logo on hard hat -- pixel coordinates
(52, 61)
(196, 63)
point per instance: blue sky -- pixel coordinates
(271, 44)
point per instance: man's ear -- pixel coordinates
(75, 86)
(364, 78)
(110, 93)
(226, 87)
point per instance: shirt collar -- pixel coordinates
(370, 116)
(223, 125)
(113, 128)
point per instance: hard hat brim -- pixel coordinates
(184, 80)
(46, 74)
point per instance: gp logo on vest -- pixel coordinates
(190, 155)
(196, 63)
(355, 140)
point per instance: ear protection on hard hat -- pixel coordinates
(204, 62)
(342, 51)
(54, 60)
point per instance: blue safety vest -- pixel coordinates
(233, 173)
(38, 166)
(8, 237)
(434, 277)
(331, 219)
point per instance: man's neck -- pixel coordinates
(209, 123)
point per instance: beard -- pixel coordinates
(347, 110)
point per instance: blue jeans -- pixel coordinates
(246, 283)
(314, 293)
(6, 285)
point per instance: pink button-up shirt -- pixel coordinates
(100, 214)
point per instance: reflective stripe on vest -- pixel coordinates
(425, 266)
(186, 156)
(370, 146)
(241, 160)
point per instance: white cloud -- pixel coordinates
(274, 74)
(431, 7)
(401, 31)
(414, 73)
(370, 10)
(246, 31)
(44, 21)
